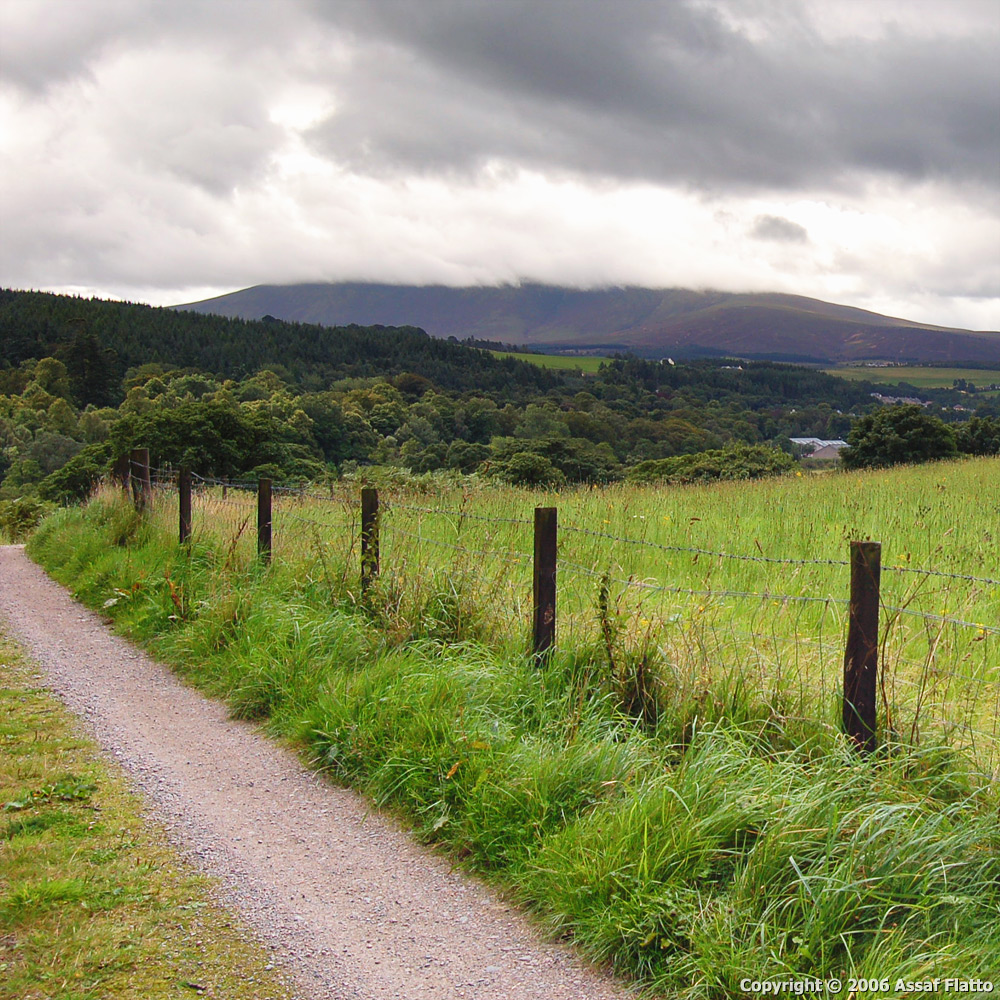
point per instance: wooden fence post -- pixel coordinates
(544, 582)
(264, 520)
(861, 655)
(184, 503)
(142, 486)
(369, 536)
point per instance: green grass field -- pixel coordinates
(565, 362)
(94, 904)
(918, 375)
(670, 788)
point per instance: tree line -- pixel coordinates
(82, 380)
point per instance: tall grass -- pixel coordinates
(670, 788)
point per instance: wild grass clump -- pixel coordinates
(670, 786)
(741, 862)
(21, 515)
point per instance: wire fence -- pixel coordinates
(775, 624)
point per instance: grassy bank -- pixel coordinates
(94, 904)
(670, 788)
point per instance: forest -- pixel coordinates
(82, 380)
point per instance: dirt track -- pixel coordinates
(353, 907)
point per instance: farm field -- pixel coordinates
(921, 376)
(564, 362)
(924, 377)
(670, 787)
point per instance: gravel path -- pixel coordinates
(351, 905)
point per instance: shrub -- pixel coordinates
(525, 468)
(19, 517)
(897, 435)
(740, 461)
(78, 476)
(576, 459)
(979, 436)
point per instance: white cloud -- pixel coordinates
(168, 152)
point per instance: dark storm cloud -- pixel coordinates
(778, 229)
(665, 92)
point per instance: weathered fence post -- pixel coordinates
(264, 520)
(184, 503)
(120, 472)
(142, 486)
(369, 536)
(544, 582)
(861, 655)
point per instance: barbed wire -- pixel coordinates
(493, 553)
(590, 532)
(460, 514)
(309, 520)
(947, 619)
(922, 683)
(769, 559)
(243, 484)
(700, 551)
(336, 498)
(940, 573)
(665, 588)
(227, 503)
(783, 598)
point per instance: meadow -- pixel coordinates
(563, 362)
(670, 787)
(922, 376)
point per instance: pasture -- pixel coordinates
(563, 362)
(921, 376)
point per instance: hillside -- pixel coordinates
(651, 322)
(109, 338)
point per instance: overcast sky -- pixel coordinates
(167, 150)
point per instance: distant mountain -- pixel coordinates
(651, 322)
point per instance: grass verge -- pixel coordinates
(94, 904)
(694, 831)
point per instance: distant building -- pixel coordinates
(829, 452)
(815, 445)
(889, 400)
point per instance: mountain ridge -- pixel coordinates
(647, 321)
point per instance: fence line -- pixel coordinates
(624, 539)
(864, 606)
(640, 584)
